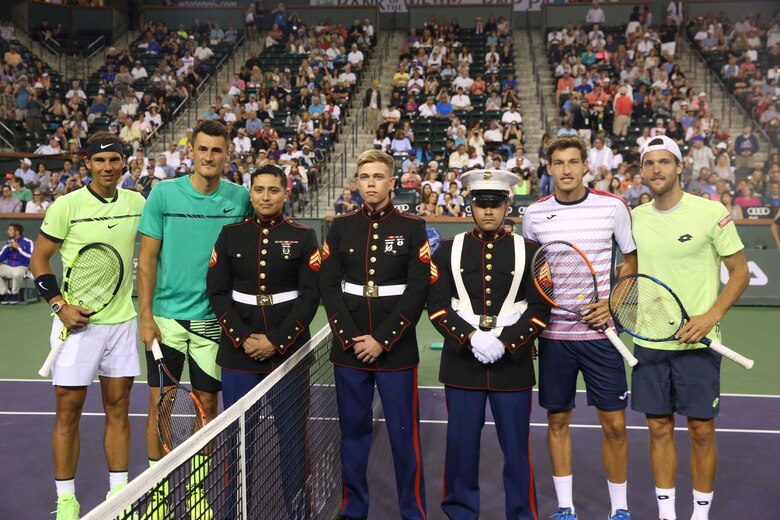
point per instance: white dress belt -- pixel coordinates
(374, 291)
(264, 300)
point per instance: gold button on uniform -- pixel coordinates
(370, 283)
(265, 241)
(238, 255)
(375, 236)
(490, 246)
(262, 287)
(373, 248)
(265, 231)
(262, 276)
(489, 256)
(488, 278)
(262, 263)
(371, 271)
(264, 251)
(372, 259)
(488, 303)
(375, 225)
(488, 290)
(489, 267)
(351, 250)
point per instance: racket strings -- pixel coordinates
(178, 417)
(94, 277)
(564, 276)
(646, 308)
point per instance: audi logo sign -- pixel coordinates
(759, 212)
(401, 207)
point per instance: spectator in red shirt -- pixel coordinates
(565, 86)
(624, 106)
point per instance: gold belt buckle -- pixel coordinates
(265, 300)
(370, 291)
(488, 322)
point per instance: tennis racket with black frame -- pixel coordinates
(649, 310)
(179, 412)
(565, 277)
(91, 281)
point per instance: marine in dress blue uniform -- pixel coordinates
(374, 283)
(483, 302)
(263, 287)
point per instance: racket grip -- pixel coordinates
(620, 346)
(51, 358)
(156, 352)
(726, 352)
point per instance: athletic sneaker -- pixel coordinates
(621, 514)
(4, 298)
(197, 504)
(68, 507)
(128, 513)
(12, 299)
(564, 513)
(158, 505)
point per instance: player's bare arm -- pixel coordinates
(146, 279)
(739, 278)
(72, 316)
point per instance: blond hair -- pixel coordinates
(372, 156)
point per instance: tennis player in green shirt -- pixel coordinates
(181, 222)
(105, 344)
(681, 240)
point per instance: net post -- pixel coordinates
(242, 457)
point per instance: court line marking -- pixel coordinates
(439, 422)
(139, 381)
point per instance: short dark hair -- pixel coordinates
(563, 142)
(18, 227)
(270, 169)
(212, 128)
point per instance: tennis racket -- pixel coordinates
(648, 309)
(91, 281)
(565, 277)
(179, 412)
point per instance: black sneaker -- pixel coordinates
(12, 299)
(4, 299)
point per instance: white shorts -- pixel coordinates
(670, 48)
(105, 350)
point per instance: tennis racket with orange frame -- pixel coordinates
(565, 277)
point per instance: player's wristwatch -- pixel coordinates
(56, 307)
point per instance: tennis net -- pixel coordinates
(274, 454)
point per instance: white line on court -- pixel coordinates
(442, 422)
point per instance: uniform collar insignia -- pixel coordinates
(376, 215)
(488, 237)
(269, 221)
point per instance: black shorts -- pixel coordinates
(174, 360)
(560, 362)
(682, 381)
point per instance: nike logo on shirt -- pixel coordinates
(227, 210)
(112, 226)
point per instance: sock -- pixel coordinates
(116, 478)
(665, 498)
(617, 496)
(152, 462)
(701, 505)
(65, 486)
(200, 468)
(563, 487)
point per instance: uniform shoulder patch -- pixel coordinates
(434, 273)
(314, 260)
(424, 253)
(213, 260)
(325, 252)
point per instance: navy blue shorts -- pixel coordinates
(682, 381)
(602, 369)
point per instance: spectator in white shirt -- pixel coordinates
(347, 75)
(427, 109)
(512, 115)
(355, 58)
(130, 106)
(520, 160)
(204, 52)
(646, 45)
(493, 134)
(463, 80)
(599, 156)
(76, 91)
(415, 84)
(242, 142)
(461, 101)
(138, 71)
(595, 14)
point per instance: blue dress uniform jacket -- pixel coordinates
(261, 257)
(487, 268)
(375, 249)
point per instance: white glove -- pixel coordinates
(482, 346)
(496, 348)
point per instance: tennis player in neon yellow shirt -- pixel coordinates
(681, 240)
